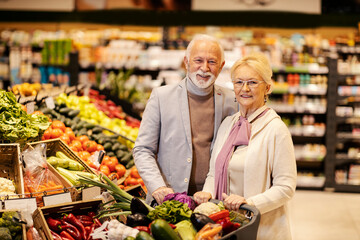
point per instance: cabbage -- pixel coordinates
(181, 197)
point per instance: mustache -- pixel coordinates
(204, 74)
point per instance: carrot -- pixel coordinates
(210, 233)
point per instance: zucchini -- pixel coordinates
(120, 154)
(97, 130)
(69, 176)
(89, 125)
(73, 113)
(130, 164)
(46, 111)
(107, 146)
(116, 147)
(67, 122)
(110, 154)
(143, 236)
(161, 230)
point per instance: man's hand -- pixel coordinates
(160, 193)
(202, 197)
(233, 202)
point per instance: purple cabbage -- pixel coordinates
(181, 197)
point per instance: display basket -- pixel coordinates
(55, 211)
(10, 165)
(54, 145)
(249, 230)
(23, 226)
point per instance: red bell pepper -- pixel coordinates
(226, 224)
(143, 228)
(70, 218)
(53, 224)
(219, 215)
(74, 232)
(67, 235)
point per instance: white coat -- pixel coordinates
(269, 171)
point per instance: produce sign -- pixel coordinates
(15, 124)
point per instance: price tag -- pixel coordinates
(49, 101)
(30, 107)
(26, 204)
(90, 193)
(57, 199)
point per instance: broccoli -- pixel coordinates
(6, 221)
(5, 234)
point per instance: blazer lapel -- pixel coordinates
(184, 108)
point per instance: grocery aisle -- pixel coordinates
(318, 215)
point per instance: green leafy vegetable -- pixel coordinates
(15, 123)
(172, 211)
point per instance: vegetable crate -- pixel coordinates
(23, 227)
(10, 165)
(53, 146)
(248, 231)
(80, 207)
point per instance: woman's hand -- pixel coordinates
(160, 193)
(233, 202)
(202, 197)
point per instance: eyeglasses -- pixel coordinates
(250, 83)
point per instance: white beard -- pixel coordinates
(202, 83)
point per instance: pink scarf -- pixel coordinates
(239, 135)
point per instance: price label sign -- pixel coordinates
(30, 107)
(90, 193)
(57, 199)
(49, 101)
(25, 204)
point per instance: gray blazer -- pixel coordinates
(163, 148)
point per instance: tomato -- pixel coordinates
(140, 181)
(112, 163)
(37, 113)
(76, 144)
(131, 181)
(89, 146)
(120, 169)
(71, 135)
(58, 124)
(105, 170)
(56, 133)
(65, 138)
(83, 138)
(134, 173)
(99, 147)
(84, 155)
(105, 160)
(47, 134)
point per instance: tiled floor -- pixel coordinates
(320, 215)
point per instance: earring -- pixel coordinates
(265, 99)
(235, 99)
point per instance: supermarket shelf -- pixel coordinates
(347, 188)
(308, 68)
(307, 139)
(348, 120)
(303, 163)
(344, 159)
(341, 136)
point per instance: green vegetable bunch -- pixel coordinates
(172, 211)
(6, 221)
(15, 123)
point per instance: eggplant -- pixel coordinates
(199, 220)
(137, 219)
(137, 206)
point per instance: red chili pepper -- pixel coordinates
(143, 228)
(55, 235)
(172, 226)
(84, 218)
(67, 235)
(70, 218)
(97, 223)
(74, 232)
(91, 214)
(86, 223)
(89, 237)
(53, 224)
(219, 215)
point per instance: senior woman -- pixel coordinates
(253, 157)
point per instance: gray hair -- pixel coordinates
(204, 37)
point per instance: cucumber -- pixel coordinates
(111, 154)
(65, 110)
(107, 146)
(89, 125)
(67, 122)
(130, 164)
(143, 236)
(73, 113)
(120, 154)
(116, 147)
(161, 230)
(46, 111)
(97, 130)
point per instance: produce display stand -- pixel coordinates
(23, 227)
(10, 165)
(80, 207)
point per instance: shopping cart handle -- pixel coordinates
(250, 208)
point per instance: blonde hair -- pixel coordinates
(260, 63)
(204, 37)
